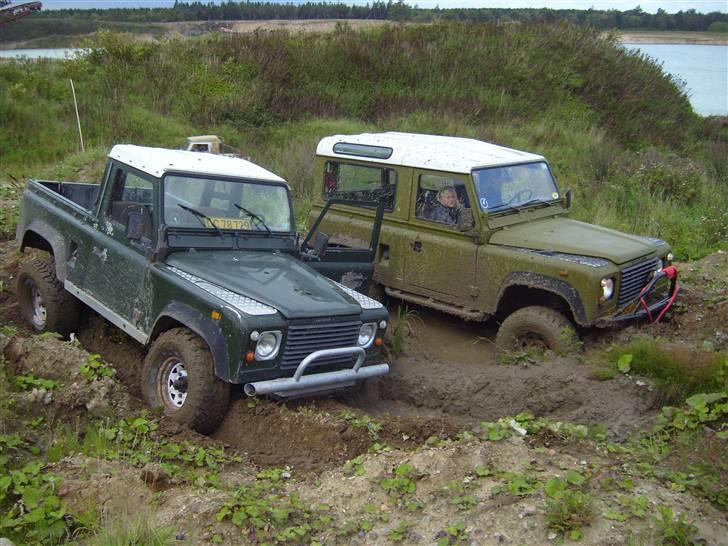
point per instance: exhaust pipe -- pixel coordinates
(300, 384)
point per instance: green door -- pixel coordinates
(440, 258)
(117, 273)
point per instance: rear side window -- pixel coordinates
(360, 183)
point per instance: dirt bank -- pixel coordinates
(673, 37)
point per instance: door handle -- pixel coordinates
(417, 246)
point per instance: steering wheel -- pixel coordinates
(527, 192)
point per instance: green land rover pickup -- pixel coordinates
(196, 255)
(479, 230)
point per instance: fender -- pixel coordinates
(201, 325)
(549, 284)
(54, 239)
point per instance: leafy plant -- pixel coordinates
(373, 428)
(676, 531)
(402, 483)
(455, 533)
(568, 508)
(94, 368)
(399, 533)
(272, 515)
(29, 381)
(355, 467)
(465, 502)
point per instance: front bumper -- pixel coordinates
(653, 301)
(318, 383)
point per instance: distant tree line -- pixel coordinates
(399, 11)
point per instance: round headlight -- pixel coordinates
(366, 334)
(670, 257)
(267, 346)
(607, 288)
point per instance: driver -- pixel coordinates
(447, 208)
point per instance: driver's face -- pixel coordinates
(448, 199)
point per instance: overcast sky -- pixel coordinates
(671, 6)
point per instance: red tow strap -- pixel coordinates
(671, 273)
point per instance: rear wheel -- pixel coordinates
(534, 327)
(43, 301)
(179, 377)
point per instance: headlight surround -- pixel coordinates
(607, 288)
(268, 345)
(366, 334)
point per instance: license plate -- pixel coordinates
(229, 223)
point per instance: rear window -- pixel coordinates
(359, 183)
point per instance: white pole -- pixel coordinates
(78, 119)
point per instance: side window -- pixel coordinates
(131, 193)
(360, 183)
(441, 199)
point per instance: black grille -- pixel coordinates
(634, 278)
(303, 339)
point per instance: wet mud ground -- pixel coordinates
(447, 379)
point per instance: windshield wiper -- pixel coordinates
(201, 216)
(257, 220)
(534, 202)
(502, 208)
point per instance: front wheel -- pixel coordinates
(179, 377)
(534, 326)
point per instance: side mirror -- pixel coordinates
(567, 200)
(134, 226)
(320, 244)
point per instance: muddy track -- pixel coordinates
(447, 379)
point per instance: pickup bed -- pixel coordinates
(196, 256)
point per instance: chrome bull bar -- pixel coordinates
(317, 383)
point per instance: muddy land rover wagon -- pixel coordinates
(479, 230)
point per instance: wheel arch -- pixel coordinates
(44, 237)
(181, 315)
(523, 289)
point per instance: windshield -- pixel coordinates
(500, 188)
(192, 202)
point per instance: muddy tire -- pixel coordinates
(179, 377)
(43, 301)
(533, 326)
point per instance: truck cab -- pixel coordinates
(479, 230)
(197, 257)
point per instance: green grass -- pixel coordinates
(678, 372)
(615, 127)
(136, 530)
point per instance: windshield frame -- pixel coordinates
(503, 207)
(234, 179)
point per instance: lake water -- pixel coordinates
(703, 68)
(59, 53)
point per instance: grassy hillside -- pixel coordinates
(615, 127)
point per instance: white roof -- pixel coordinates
(439, 153)
(157, 161)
